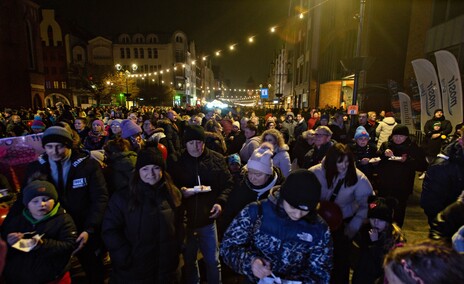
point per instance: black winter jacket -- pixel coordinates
(395, 176)
(144, 242)
(49, 260)
(85, 196)
(213, 172)
(444, 180)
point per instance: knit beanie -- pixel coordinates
(400, 129)
(99, 122)
(325, 116)
(261, 160)
(38, 124)
(57, 134)
(437, 123)
(39, 188)
(236, 123)
(115, 121)
(150, 156)
(437, 110)
(290, 114)
(301, 189)
(361, 132)
(194, 132)
(234, 158)
(129, 128)
(381, 208)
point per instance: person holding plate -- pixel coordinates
(200, 166)
(401, 158)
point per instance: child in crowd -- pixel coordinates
(375, 240)
(41, 238)
(235, 167)
(365, 153)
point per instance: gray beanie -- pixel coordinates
(39, 188)
(57, 134)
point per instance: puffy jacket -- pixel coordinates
(444, 180)
(120, 169)
(297, 250)
(213, 171)
(384, 130)
(281, 159)
(351, 199)
(49, 260)
(144, 242)
(248, 147)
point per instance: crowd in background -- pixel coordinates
(252, 189)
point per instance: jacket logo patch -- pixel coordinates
(307, 237)
(80, 182)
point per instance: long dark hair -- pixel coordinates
(334, 155)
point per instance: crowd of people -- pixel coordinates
(264, 196)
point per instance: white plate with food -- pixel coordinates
(200, 188)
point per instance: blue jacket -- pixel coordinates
(297, 250)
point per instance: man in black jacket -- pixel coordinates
(197, 165)
(443, 180)
(81, 191)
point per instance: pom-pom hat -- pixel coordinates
(261, 160)
(361, 132)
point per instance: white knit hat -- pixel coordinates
(236, 123)
(261, 160)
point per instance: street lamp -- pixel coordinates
(127, 73)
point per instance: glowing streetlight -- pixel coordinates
(251, 39)
(218, 53)
(273, 29)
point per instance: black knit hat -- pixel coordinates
(381, 208)
(302, 190)
(150, 156)
(194, 132)
(57, 134)
(39, 188)
(400, 129)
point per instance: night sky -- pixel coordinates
(212, 24)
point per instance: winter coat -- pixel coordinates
(234, 142)
(49, 260)
(281, 160)
(397, 178)
(290, 126)
(315, 155)
(248, 147)
(300, 127)
(213, 171)
(299, 150)
(245, 193)
(144, 242)
(95, 141)
(85, 195)
(339, 133)
(432, 146)
(369, 151)
(352, 200)
(215, 142)
(448, 221)
(120, 168)
(444, 180)
(384, 130)
(297, 250)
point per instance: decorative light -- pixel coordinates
(204, 58)
(273, 29)
(218, 53)
(301, 16)
(251, 39)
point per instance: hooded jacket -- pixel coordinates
(297, 250)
